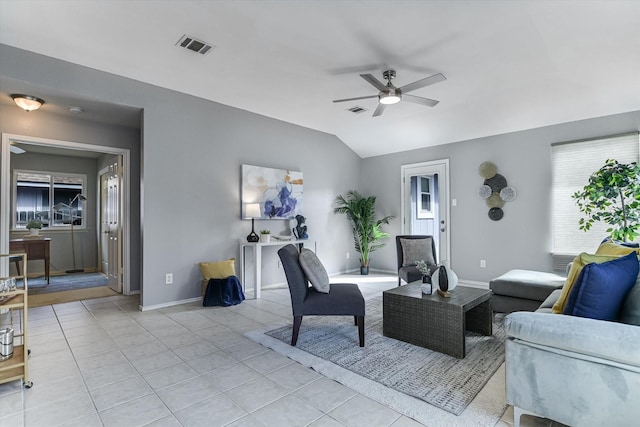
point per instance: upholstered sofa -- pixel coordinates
(575, 370)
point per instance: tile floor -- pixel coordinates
(102, 362)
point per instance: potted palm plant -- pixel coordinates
(360, 212)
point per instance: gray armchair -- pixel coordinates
(415, 247)
(343, 299)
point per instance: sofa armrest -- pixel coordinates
(617, 342)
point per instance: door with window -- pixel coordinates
(425, 203)
(110, 225)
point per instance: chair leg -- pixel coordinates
(355, 320)
(360, 322)
(297, 320)
(398, 281)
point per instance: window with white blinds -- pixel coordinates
(572, 164)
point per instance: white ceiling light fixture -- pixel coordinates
(27, 102)
(390, 98)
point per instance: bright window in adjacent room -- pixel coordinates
(425, 199)
(47, 197)
(572, 165)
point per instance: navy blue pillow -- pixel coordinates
(601, 288)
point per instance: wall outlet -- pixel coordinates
(483, 263)
(168, 278)
(454, 202)
(348, 255)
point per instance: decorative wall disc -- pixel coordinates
(494, 201)
(497, 183)
(508, 194)
(484, 191)
(487, 170)
(496, 214)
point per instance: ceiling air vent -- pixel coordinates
(357, 109)
(194, 44)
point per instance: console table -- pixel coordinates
(35, 249)
(257, 256)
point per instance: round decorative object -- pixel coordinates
(445, 278)
(484, 191)
(508, 194)
(497, 183)
(494, 201)
(487, 170)
(496, 214)
(426, 288)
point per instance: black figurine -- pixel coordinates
(300, 231)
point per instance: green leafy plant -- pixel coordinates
(34, 223)
(612, 196)
(265, 232)
(360, 212)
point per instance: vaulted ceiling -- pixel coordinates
(509, 65)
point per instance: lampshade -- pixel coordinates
(252, 210)
(389, 98)
(27, 102)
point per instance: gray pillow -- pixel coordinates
(416, 249)
(630, 311)
(314, 270)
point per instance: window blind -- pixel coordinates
(572, 164)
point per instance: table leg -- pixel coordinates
(258, 270)
(46, 269)
(480, 319)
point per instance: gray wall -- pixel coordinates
(522, 239)
(192, 150)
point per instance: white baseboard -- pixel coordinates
(168, 304)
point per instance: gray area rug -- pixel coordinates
(67, 282)
(329, 345)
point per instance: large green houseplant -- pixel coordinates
(360, 212)
(612, 196)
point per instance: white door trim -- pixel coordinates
(444, 196)
(5, 188)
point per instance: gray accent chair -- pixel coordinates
(343, 299)
(574, 370)
(409, 273)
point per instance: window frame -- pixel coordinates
(420, 212)
(80, 204)
(560, 251)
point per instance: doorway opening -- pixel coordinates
(425, 204)
(66, 239)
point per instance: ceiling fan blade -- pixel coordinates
(379, 110)
(420, 100)
(375, 82)
(355, 99)
(436, 78)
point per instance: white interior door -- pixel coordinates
(110, 223)
(425, 203)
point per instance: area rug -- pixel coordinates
(414, 381)
(67, 282)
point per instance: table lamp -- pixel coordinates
(252, 210)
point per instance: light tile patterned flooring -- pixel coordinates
(102, 362)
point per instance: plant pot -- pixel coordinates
(34, 232)
(364, 270)
(265, 238)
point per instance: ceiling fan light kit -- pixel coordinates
(389, 94)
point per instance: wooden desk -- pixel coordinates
(35, 249)
(257, 255)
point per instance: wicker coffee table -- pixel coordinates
(435, 322)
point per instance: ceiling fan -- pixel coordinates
(389, 94)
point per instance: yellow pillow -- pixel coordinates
(218, 270)
(610, 248)
(576, 268)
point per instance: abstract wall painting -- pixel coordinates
(278, 191)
